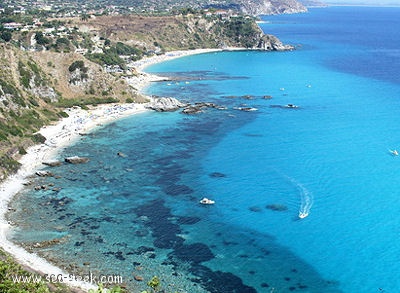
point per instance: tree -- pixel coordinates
(6, 36)
(40, 39)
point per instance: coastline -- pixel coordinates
(58, 136)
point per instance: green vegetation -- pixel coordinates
(10, 271)
(6, 36)
(41, 39)
(79, 64)
(9, 164)
(67, 103)
(112, 290)
(111, 56)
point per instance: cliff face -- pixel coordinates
(260, 7)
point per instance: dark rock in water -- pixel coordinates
(118, 255)
(141, 232)
(217, 175)
(42, 173)
(188, 220)
(167, 241)
(192, 110)
(246, 109)
(277, 207)
(143, 249)
(255, 209)
(198, 107)
(52, 163)
(76, 160)
(288, 106)
(196, 253)
(163, 230)
(264, 285)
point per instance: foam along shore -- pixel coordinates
(57, 136)
(141, 64)
(143, 79)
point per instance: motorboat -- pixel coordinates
(205, 200)
(302, 215)
(394, 152)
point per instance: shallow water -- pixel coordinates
(139, 214)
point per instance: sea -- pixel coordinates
(317, 140)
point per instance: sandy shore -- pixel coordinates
(60, 135)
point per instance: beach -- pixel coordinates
(65, 132)
(60, 135)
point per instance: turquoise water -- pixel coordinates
(139, 214)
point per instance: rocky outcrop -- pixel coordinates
(45, 93)
(76, 160)
(264, 7)
(165, 104)
(272, 43)
(198, 107)
(52, 163)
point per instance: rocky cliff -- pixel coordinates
(265, 7)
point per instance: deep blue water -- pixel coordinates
(139, 214)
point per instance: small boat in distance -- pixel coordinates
(205, 200)
(394, 152)
(302, 215)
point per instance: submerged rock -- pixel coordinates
(196, 253)
(217, 175)
(277, 207)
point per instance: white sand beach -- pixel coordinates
(60, 135)
(57, 136)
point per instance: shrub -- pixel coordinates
(63, 114)
(79, 64)
(11, 165)
(38, 138)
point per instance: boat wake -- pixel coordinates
(306, 197)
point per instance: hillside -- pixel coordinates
(180, 32)
(35, 87)
(253, 7)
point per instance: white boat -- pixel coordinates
(394, 152)
(205, 200)
(302, 215)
